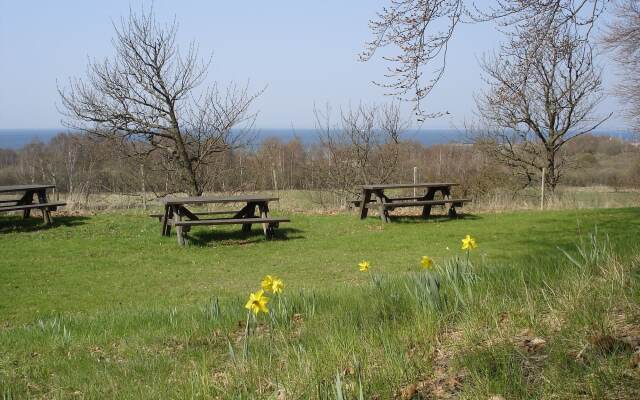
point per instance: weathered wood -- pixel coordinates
(165, 221)
(373, 196)
(408, 186)
(269, 225)
(263, 208)
(382, 200)
(420, 203)
(431, 193)
(26, 199)
(180, 209)
(251, 214)
(24, 188)
(452, 213)
(199, 213)
(247, 212)
(179, 229)
(366, 198)
(176, 212)
(406, 198)
(42, 199)
(214, 199)
(230, 221)
(26, 202)
(31, 206)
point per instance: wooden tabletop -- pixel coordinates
(24, 188)
(210, 199)
(408, 185)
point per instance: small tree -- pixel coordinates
(147, 93)
(542, 93)
(362, 148)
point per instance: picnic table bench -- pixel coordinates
(25, 202)
(374, 197)
(178, 215)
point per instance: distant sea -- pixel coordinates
(18, 138)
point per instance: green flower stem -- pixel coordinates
(246, 337)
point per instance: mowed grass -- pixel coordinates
(103, 306)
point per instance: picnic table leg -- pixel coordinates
(270, 230)
(264, 213)
(452, 213)
(364, 199)
(184, 212)
(42, 198)
(451, 208)
(163, 221)
(382, 200)
(250, 212)
(179, 229)
(426, 210)
(168, 217)
(26, 199)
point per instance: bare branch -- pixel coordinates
(145, 93)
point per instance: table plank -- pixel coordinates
(216, 199)
(408, 185)
(24, 188)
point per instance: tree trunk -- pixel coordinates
(551, 178)
(185, 164)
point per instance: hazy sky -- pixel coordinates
(304, 51)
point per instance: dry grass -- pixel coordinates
(322, 202)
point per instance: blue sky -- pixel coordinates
(305, 52)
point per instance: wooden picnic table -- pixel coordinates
(25, 202)
(254, 211)
(373, 196)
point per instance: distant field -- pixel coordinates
(323, 201)
(104, 307)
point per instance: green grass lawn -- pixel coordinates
(104, 306)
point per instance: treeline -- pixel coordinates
(83, 165)
(80, 164)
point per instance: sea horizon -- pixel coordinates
(17, 138)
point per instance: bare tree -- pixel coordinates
(420, 31)
(623, 39)
(542, 93)
(362, 147)
(147, 93)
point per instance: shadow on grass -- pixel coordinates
(208, 237)
(18, 224)
(417, 219)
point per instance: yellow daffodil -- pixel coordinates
(267, 283)
(272, 284)
(257, 302)
(364, 266)
(469, 243)
(277, 286)
(426, 262)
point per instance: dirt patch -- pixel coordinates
(74, 213)
(444, 382)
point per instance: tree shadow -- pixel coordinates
(16, 224)
(439, 218)
(204, 238)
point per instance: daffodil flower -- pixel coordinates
(426, 262)
(469, 243)
(266, 283)
(272, 284)
(364, 266)
(257, 303)
(277, 286)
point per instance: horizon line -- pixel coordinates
(63, 130)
